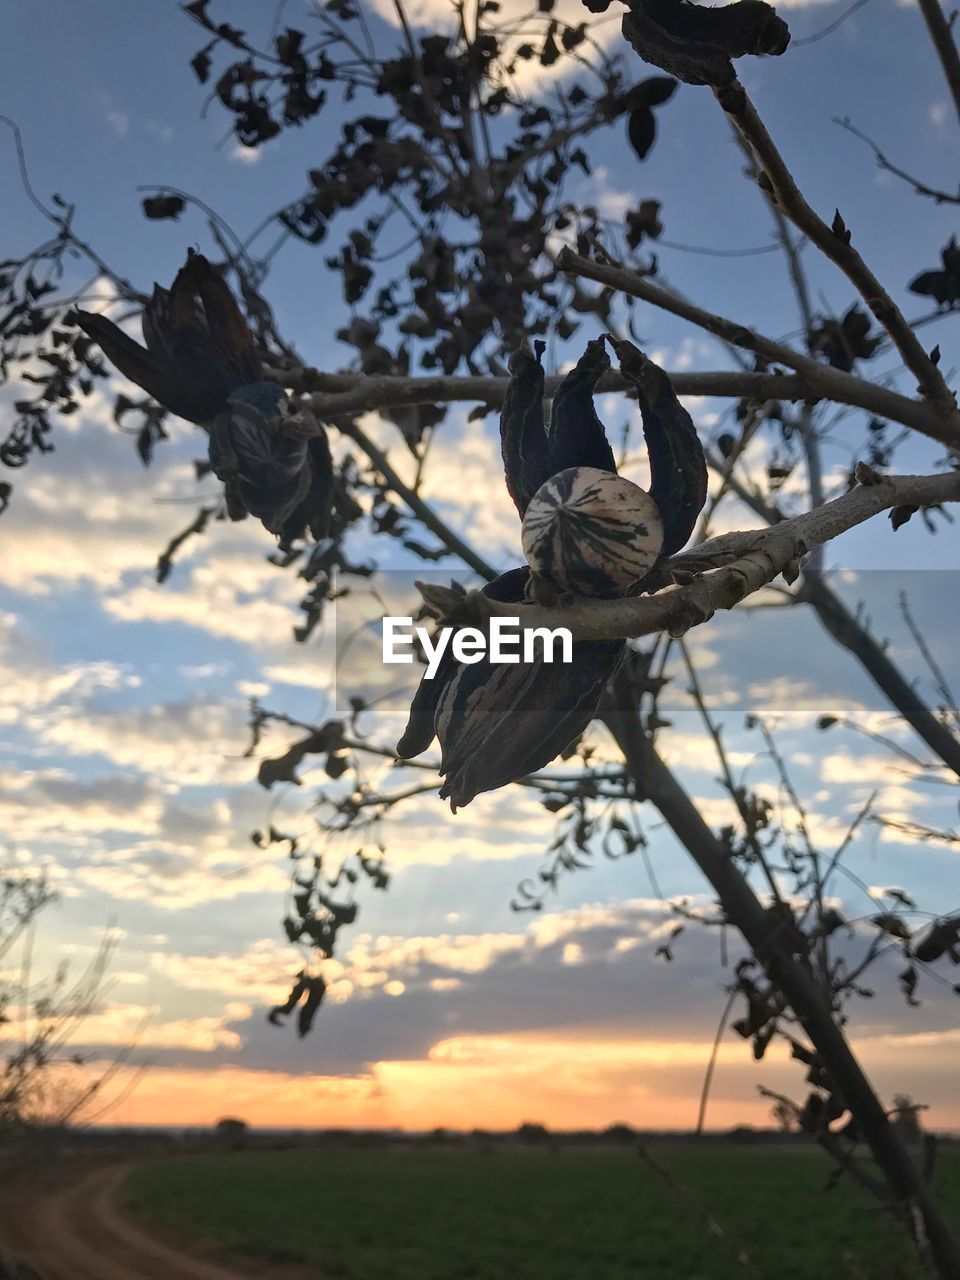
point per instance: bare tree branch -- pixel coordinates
(342, 393)
(921, 188)
(751, 559)
(834, 242)
(942, 37)
(845, 629)
(416, 504)
(773, 947)
(824, 381)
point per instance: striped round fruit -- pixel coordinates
(591, 532)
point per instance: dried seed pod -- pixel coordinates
(592, 532)
(678, 468)
(942, 938)
(198, 347)
(498, 723)
(284, 479)
(696, 42)
(200, 363)
(576, 436)
(941, 285)
(523, 441)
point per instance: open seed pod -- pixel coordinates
(585, 531)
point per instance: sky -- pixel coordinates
(123, 703)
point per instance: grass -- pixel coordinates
(528, 1214)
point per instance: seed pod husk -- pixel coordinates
(523, 440)
(678, 468)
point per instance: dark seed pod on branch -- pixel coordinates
(643, 223)
(307, 992)
(695, 43)
(499, 722)
(200, 362)
(576, 436)
(284, 479)
(641, 123)
(198, 347)
(944, 285)
(942, 938)
(842, 342)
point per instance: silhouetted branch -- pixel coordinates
(849, 632)
(332, 394)
(845, 629)
(941, 34)
(835, 243)
(921, 188)
(757, 557)
(773, 947)
(712, 1060)
(197, 525)
(416, 504)
(738, 795)
(940, 680)
(824, 381)
(731, 1245)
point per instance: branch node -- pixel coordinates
(454, 605)
(865, 475)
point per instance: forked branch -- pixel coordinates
(835, 243)
(824, 381)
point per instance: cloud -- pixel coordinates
(138, 1026)
(191, 1096)
(501, 1080)
(259, 972)
(464, 459)
(162, 132)
(52, 801)
(90, 513)
(189, 741)
(119, 122)
(232, 593)
(244, 155)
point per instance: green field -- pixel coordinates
(527, 1214)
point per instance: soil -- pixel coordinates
(69, 1226)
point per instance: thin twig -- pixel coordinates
(416, 504)
(712, 1062)
(845, 842)
(921, 188)
(940, 680)
(736, 793)
(731, 1246)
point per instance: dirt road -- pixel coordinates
(75, 1231)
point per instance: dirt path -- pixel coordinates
(75, 1231)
